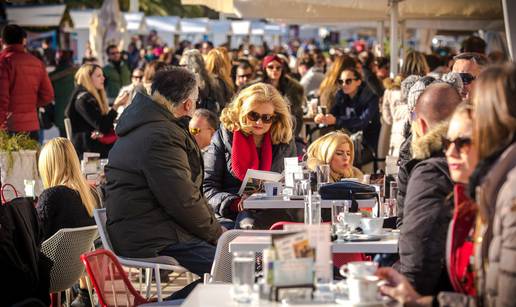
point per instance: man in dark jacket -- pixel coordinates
(116, 71)
(426, 211)
(24, 85)
(155, 204)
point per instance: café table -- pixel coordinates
(388, 245)
(261, 201)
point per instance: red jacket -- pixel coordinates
(24, 87)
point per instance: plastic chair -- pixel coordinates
(68, 128)
(221, 268)
(109, 280)
(339, 259)
(64, 248)
(154, 263)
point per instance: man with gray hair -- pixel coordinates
(154, 199)
(202, 126)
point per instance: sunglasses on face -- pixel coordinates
(347, 81)
(114, 53)
(266, 118)
(272, 67)
(460, 143)
(467, 78)
(247, 76)
(137, 77)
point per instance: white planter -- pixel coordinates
(24, 165)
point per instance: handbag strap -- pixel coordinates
(2, 190)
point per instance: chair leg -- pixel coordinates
(148, 280)
(140, 273)
(68, 295)
(90, 292)
(158, 282)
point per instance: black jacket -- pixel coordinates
(405, 163)
(427, 214)
(154, 177)
(220, 184)
(86, 117)
(360, 113)
(61, 207)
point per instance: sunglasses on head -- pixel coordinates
(459, 143)
(266, 118)
(274, 67)
(347, 81)
(467, 78)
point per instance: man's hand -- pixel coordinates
(398, 287)
(240, 205)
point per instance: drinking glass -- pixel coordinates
(312, 209)
(338, 210)
(323, 175)
(242, 269)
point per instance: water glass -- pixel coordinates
(323, 174)
(312, 209)
(338, 209)
(301, 187)
(242, 269)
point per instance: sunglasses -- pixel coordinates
(137, 77)
(460, 143)
(272, 67)
(114, 53)
(347, 81)
(247, 76)
(195, 131)
(467, 78)
(266, 118)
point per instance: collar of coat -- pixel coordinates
(167, 105)
(423, 147)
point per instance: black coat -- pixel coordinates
(61, 207)
(220, 184)
(86, 117)
(360, 113)
(154, 176)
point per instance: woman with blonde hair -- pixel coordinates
(255, 133)
(67, 201)
(219, 66)
(91, 117)
(335, 149)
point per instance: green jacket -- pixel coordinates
(63, 83)
(116, 80)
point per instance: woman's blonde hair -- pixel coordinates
(414, 64)
(493, 100)
(83, 78)
(218, 63)
(322, 150)
(58, 164)
(234, 116)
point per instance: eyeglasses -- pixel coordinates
(347, 81)
(274, 67)
(467, 78)
(247, 76)
(266, 118)
(137, 77)
(460, 143)
(114, 53)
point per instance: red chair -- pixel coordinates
(109, 280)
(339, 259)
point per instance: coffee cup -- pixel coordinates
(363, 289)
(372, 226)
(350, 218)
(357, 269)
(272, 188)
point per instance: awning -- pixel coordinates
(81, 18)
(194, 25)
(162, 23)
(36, 15)
(135, 22)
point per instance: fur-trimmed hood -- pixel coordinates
(423, 147)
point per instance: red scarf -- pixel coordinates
(244, 155)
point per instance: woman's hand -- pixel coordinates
(240, 204)
(398, 287)
(327, 119)
(121, 100)
(318, 119)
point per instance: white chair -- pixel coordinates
(68, 128)
(154, 263)
(221, 268)
(64, 248)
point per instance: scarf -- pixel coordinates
(244, 155)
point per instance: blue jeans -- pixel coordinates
(197, 256)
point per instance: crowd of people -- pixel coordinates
(181, 128)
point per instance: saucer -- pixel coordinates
(346, 302)
(362, 237)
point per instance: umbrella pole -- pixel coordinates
(509, 9)
(394, 37)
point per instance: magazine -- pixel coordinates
(254, 179)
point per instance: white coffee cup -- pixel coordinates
(357, 269)
(372, 226)
(272, 188)
(351, 218)
(363, 289)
